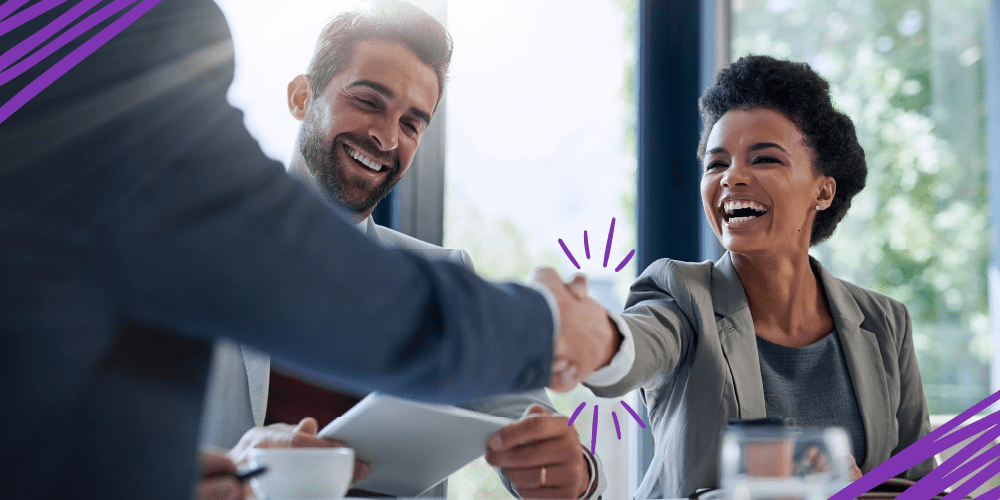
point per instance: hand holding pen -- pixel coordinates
(221, 480)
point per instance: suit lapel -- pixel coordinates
(736, 334)
(373, 231)
(864, 365)
(258, 366)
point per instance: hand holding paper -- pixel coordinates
(542, 456)
(302, 435)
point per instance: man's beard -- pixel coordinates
(325, 165)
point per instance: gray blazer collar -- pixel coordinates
(728, 296)
(860, 346)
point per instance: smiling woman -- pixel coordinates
(766, 331)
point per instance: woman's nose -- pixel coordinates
(737, 174)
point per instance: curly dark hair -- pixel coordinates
(796, 91)
(390, 20)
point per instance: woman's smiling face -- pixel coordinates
(760, 188)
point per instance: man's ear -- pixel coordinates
(299, 96)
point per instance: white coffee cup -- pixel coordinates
(303, 473)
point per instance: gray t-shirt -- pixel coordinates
(812, 385)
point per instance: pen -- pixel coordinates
(245, 475)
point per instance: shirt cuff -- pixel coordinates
(622, 361)
(553, 306)
(596, 475)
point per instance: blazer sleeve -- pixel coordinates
(661, 331)
(912, 414)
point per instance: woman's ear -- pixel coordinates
(299, 96)
(827, 190)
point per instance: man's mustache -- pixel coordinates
(368, 147)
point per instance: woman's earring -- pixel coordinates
(818, 207)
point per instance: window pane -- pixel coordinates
(910, 74)
(537, 151)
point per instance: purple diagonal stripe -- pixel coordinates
(577, 412)
(923, 449)
(957, 473)
(627, 258)
(593, 433)
(10, 6)
(28, 44)
(611, 235)
(976, 481)
(60, 68)
(568, 253)
(27, 14)
(586, 244)
(631, 411)
(938, 479)
(70, 34)
(992, 494)
(618, 430)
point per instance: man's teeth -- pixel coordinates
(364, 160)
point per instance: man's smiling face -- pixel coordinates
(359, 136)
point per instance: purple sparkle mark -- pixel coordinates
(627, 258)
(577, 412)
(636, 417)
(79, 54)
(586, 244)
(611, 235)
(568, 253)
(593, 433)
(618, 430)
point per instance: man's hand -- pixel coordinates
(218, 479)
(587, 338)
(302, 435)
(541, 455)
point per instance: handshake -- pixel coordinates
(587, 338)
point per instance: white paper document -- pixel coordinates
(411, 446)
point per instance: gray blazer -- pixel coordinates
(238, 381)
(696, 367)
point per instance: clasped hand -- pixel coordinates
(587, 339)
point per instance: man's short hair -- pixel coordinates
(390, 20)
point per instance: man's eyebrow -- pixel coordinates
(715, 151)
(426, 118)
(377, 87)
(388, 94)
(765, 145)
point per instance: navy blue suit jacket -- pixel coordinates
(139, 221)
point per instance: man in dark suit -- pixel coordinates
(139, 222)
